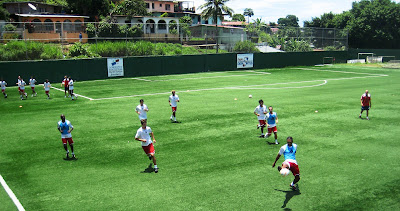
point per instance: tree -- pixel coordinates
(130, 8)
(290, 20)
(248, 12)
(238, 17)
(90, 8)
(184, 23)
(215, 9)
(4, 15)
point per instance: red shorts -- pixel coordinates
(272, 129)
(19, 88)
(149, 149)
(173, 109)
(294, 168)
(64, 140)
(33, 88)
(3, 90)
(47, 92)
(262, 122)
(22, 90)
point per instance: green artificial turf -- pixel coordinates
(213, 159)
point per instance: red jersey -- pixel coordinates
(65, 82)
(365, 99)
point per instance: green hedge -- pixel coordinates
(17, 51)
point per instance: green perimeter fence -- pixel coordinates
(93, 69)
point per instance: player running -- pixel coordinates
(22, 92)
(65, 128)
(18, 84)
(47, 86)
(260, 112)
(65, 84)
(173, 102)
(365, 103)
(289, 152)
(142, 110)
(3, 85)
(272, 120)
(71, 88)
(32, 82)
(143, 135)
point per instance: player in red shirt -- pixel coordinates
(365, 103)
(65, 83)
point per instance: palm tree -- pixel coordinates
(248, 12)
(216, 9)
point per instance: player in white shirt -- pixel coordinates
(260, 112)
(18, 84)
(46, 86)
(142, 110)
(143, 135)
(71, 88)
(22, 85)
(173, 102)
(65, 128)
(3, 85)
(32, 82)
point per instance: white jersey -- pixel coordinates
(47, 86)
(22, 85)
(144, 134)
(3, 84)
(174, 100)
(19, 83)
(143, 113)
(32, 82)
(71, 84)
(260, 110)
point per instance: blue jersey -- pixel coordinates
(65, 127)
(271, 118)
(289, 152)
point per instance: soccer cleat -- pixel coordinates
(150, 157)
(32, 95)
(258, 126)
(279, 168)
(276, 143)
(262, 136)
(67, 157)
(65, 96)
(156, 170)
(367, 118)
(293, 187)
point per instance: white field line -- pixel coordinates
(140, 79)
(221, 76)
(11, 194)
(74, 93)
(336, 71)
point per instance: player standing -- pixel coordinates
(173, 102)
(3, 85)
(260, 112)
(289, 152)
(272, 120)
(71, 88)
(365, 103)
(142, 110)
(32, 82)
(65, 84)
(143, 135)
(46, 86)
(22, 85)
(65, 128)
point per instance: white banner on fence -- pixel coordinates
(245, 60)
(115, 67)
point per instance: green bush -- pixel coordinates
(20, 50)
(81, 50)
(51, 52)
(9, 28)
(245, 47)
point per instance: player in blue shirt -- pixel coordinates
(289, 152)
(65, 128)
(272, 120)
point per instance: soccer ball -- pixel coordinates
(284, 172)
(250, 96)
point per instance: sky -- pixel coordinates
(272, 10)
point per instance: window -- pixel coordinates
(152, 5)
(48, 24)
(160, 5)
(147, 5)
(78, 26)
(167, 7)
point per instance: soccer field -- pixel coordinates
(213, 159)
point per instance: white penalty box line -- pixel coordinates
(74, 93)
(11, 194)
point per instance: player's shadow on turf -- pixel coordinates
(70, 159)
(149, 169)
(289, 195)
(271, 143)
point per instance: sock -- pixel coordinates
(155, 166)
(175, 118)
(262, 134)
(67, 151)
(276, 140)
(291, 184)
(73, 153)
